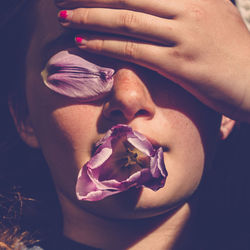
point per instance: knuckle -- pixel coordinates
(83, 16)
(184, 56)
(128, 20)
(176, 53)
(130, 49)
(97, 45)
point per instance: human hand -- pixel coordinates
(203, 45)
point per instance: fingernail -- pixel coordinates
(64, 15)
(80, 40)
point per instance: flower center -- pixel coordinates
(134, 157)
(125, 161)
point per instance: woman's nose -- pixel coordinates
(129, 99)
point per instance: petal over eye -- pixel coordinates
(71, 75)
(124, 158)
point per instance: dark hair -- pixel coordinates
(28, 204)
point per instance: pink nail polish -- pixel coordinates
(80, 40)
(63, 15)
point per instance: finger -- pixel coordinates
(122, 22)
(160, 8)
(135, 51)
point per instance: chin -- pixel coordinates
(135, 203)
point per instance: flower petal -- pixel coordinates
(101, 176)
(68, 73)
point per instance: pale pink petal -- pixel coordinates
(68, 73)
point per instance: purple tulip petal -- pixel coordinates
(68, 73)
(124, 158)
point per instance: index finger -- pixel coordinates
(160, 8)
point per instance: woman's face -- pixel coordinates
(67, 130)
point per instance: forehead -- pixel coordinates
(48, 27)
(48, 35)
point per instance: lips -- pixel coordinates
(123, 159)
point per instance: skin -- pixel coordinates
(66, 131)
(186, 41)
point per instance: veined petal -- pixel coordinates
(142, 144)
(100, 158)
(69, 74)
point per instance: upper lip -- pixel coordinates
(153, 141)
(156, 144)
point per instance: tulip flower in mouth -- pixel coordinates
(123, 159)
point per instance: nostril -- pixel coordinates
(116, 113)
(142, 112)
(119, 114)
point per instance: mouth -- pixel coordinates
(133, 158)
(122, 159)
(156, 145)
(126, 159)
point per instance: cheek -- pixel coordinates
(66, 133)
(191, 133)
(186, 158)
(184, 161)
(66, 142)
(73, 130)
